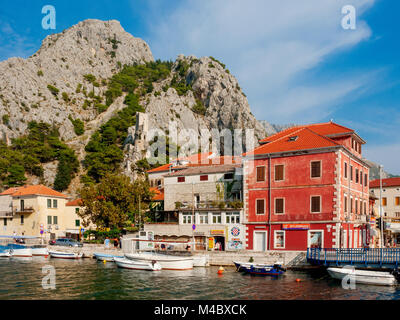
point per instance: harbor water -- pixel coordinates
(87, 279)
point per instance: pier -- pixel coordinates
(384, 258)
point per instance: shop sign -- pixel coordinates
(211, 243)
(217, 232)
(296, 227)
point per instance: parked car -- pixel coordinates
(52, 242)
(67, 242)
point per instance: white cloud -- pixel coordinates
(268, 45)
(12, 44)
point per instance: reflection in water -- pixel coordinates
(89, 279)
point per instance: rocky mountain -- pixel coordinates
(374, 171)
(69, 83)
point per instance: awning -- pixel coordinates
(72, 231)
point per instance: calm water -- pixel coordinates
(88, 279)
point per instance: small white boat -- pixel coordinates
(137, 265)
(23, 253)
(40, 251)
(200, 261)
(167, 262)
(106, 257)
(65, 255)
(5, 254)
(364, 276)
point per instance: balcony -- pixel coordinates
(6, 214)
(24, 210)
(210, 205)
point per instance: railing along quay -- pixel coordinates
(362, 257)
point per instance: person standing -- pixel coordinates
(107, 243)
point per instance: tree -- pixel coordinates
(16, 176)
(113, 201)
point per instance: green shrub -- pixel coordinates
(79, 126)
(40, 73)
(101, 108)
(6, 119)
(199, 108)
(65, 97)
(54, 91)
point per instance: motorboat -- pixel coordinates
(65, 255)
(384, 278)
(18, 250)
(40, 251)
(260, 269)
(5, 254)
(167, 262)
(137, 265)
(106, 257)
(200, 261)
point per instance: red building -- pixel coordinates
(306, 186)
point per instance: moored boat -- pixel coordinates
(260, 269)
(5, 254)
(65, 255)
(137, 265)
(18, 250)
(167, 262)
(364, 276)
(200, 261)
(106, 257)
(40, 251)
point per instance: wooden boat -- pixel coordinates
(65, 255)
(167, 262)
(106, 257)
(364, 276)
(137, 265)
(40, 251)
(260, 269)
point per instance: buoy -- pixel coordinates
(221, 270)
(298, 280)
(104, 261)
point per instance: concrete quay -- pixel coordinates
(289, 259)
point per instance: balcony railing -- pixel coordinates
(24, 210)
(210, 205)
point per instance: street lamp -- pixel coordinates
(380, 205)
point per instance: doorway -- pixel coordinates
(260, 241)
(221, 240)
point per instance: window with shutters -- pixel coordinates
(260, 174)
(260, 206)
(279, 172)
(279, 206)
(316, 169)
(316, 204)
(204, 178)
(345, 204)
(356, 175)
(351, 173)
(365, 180)
(397, 201)
(181, 179)
(351, 205)
(345, 170)
(384, 201)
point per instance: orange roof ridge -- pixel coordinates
(33, 190)
(325, 137)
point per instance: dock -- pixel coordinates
(382, 258)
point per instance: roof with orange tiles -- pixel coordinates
(201, 159)
(329, 129)
(38, 190)
(158, 194)
(295, 140)
(74, 203)
(389, 182)
(196, 158)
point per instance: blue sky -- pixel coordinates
(292, 58)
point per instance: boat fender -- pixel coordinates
(221, 270)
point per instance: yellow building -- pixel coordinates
(37, 211)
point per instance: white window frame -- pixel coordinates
(187, 215)
(320, 204)
(320, 169)
(309, 238)
(265, 205)
(284, 239)
(203, 215)
(235, 216)
(216, 215)
(284, 205)
(284, 170)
